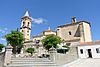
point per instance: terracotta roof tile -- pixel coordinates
(90, 43)
(74, 24)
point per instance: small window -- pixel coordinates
(69, 32)
(27, 34)
(81, 51)
(23, 23)
(28, 31)
(22, 31)
(57, 29)
(98, 50)
(28, 24)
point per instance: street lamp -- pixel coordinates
(37, 43)
(37, 46)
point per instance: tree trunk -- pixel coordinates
(14, 49)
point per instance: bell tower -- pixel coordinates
(26, 26)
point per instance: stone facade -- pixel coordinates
(8, 55)
(2, 55)
(43, 34)
(75, 32)
(62, 59)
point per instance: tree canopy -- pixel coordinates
(1, 46)
(51, 41)
(30, 50)
(15, 38)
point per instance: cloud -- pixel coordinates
(39, 20)
(4, 30)
(2, 39)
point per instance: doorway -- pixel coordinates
(89, 53)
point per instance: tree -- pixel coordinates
(1, 46)
(30, 50)
(15, 38)
(51, 41)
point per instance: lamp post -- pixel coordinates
(37, 43)
(37, 46)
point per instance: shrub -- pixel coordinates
(30, 50)
(1, 46)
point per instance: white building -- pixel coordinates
(89, 50)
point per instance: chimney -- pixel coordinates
(73, 19)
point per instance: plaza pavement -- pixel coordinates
(90, 62)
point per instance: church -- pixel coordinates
(76, 34)
(76, 31)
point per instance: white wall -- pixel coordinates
(87, 32)
(85, 52)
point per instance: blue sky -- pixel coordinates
(51, 12)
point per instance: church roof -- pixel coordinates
(49, 30)
(73, 23)
(26, 13)
(38, 36)
(90, 43)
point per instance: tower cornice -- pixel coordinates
(26, 17)
(25, 27)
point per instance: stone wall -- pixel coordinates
(77, 31)
(68, 57)
(68, 33)
(2, 59)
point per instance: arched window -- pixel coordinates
(22, 31)
(28, 31)
(23, 23)
(28, 24)
(27, 34)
